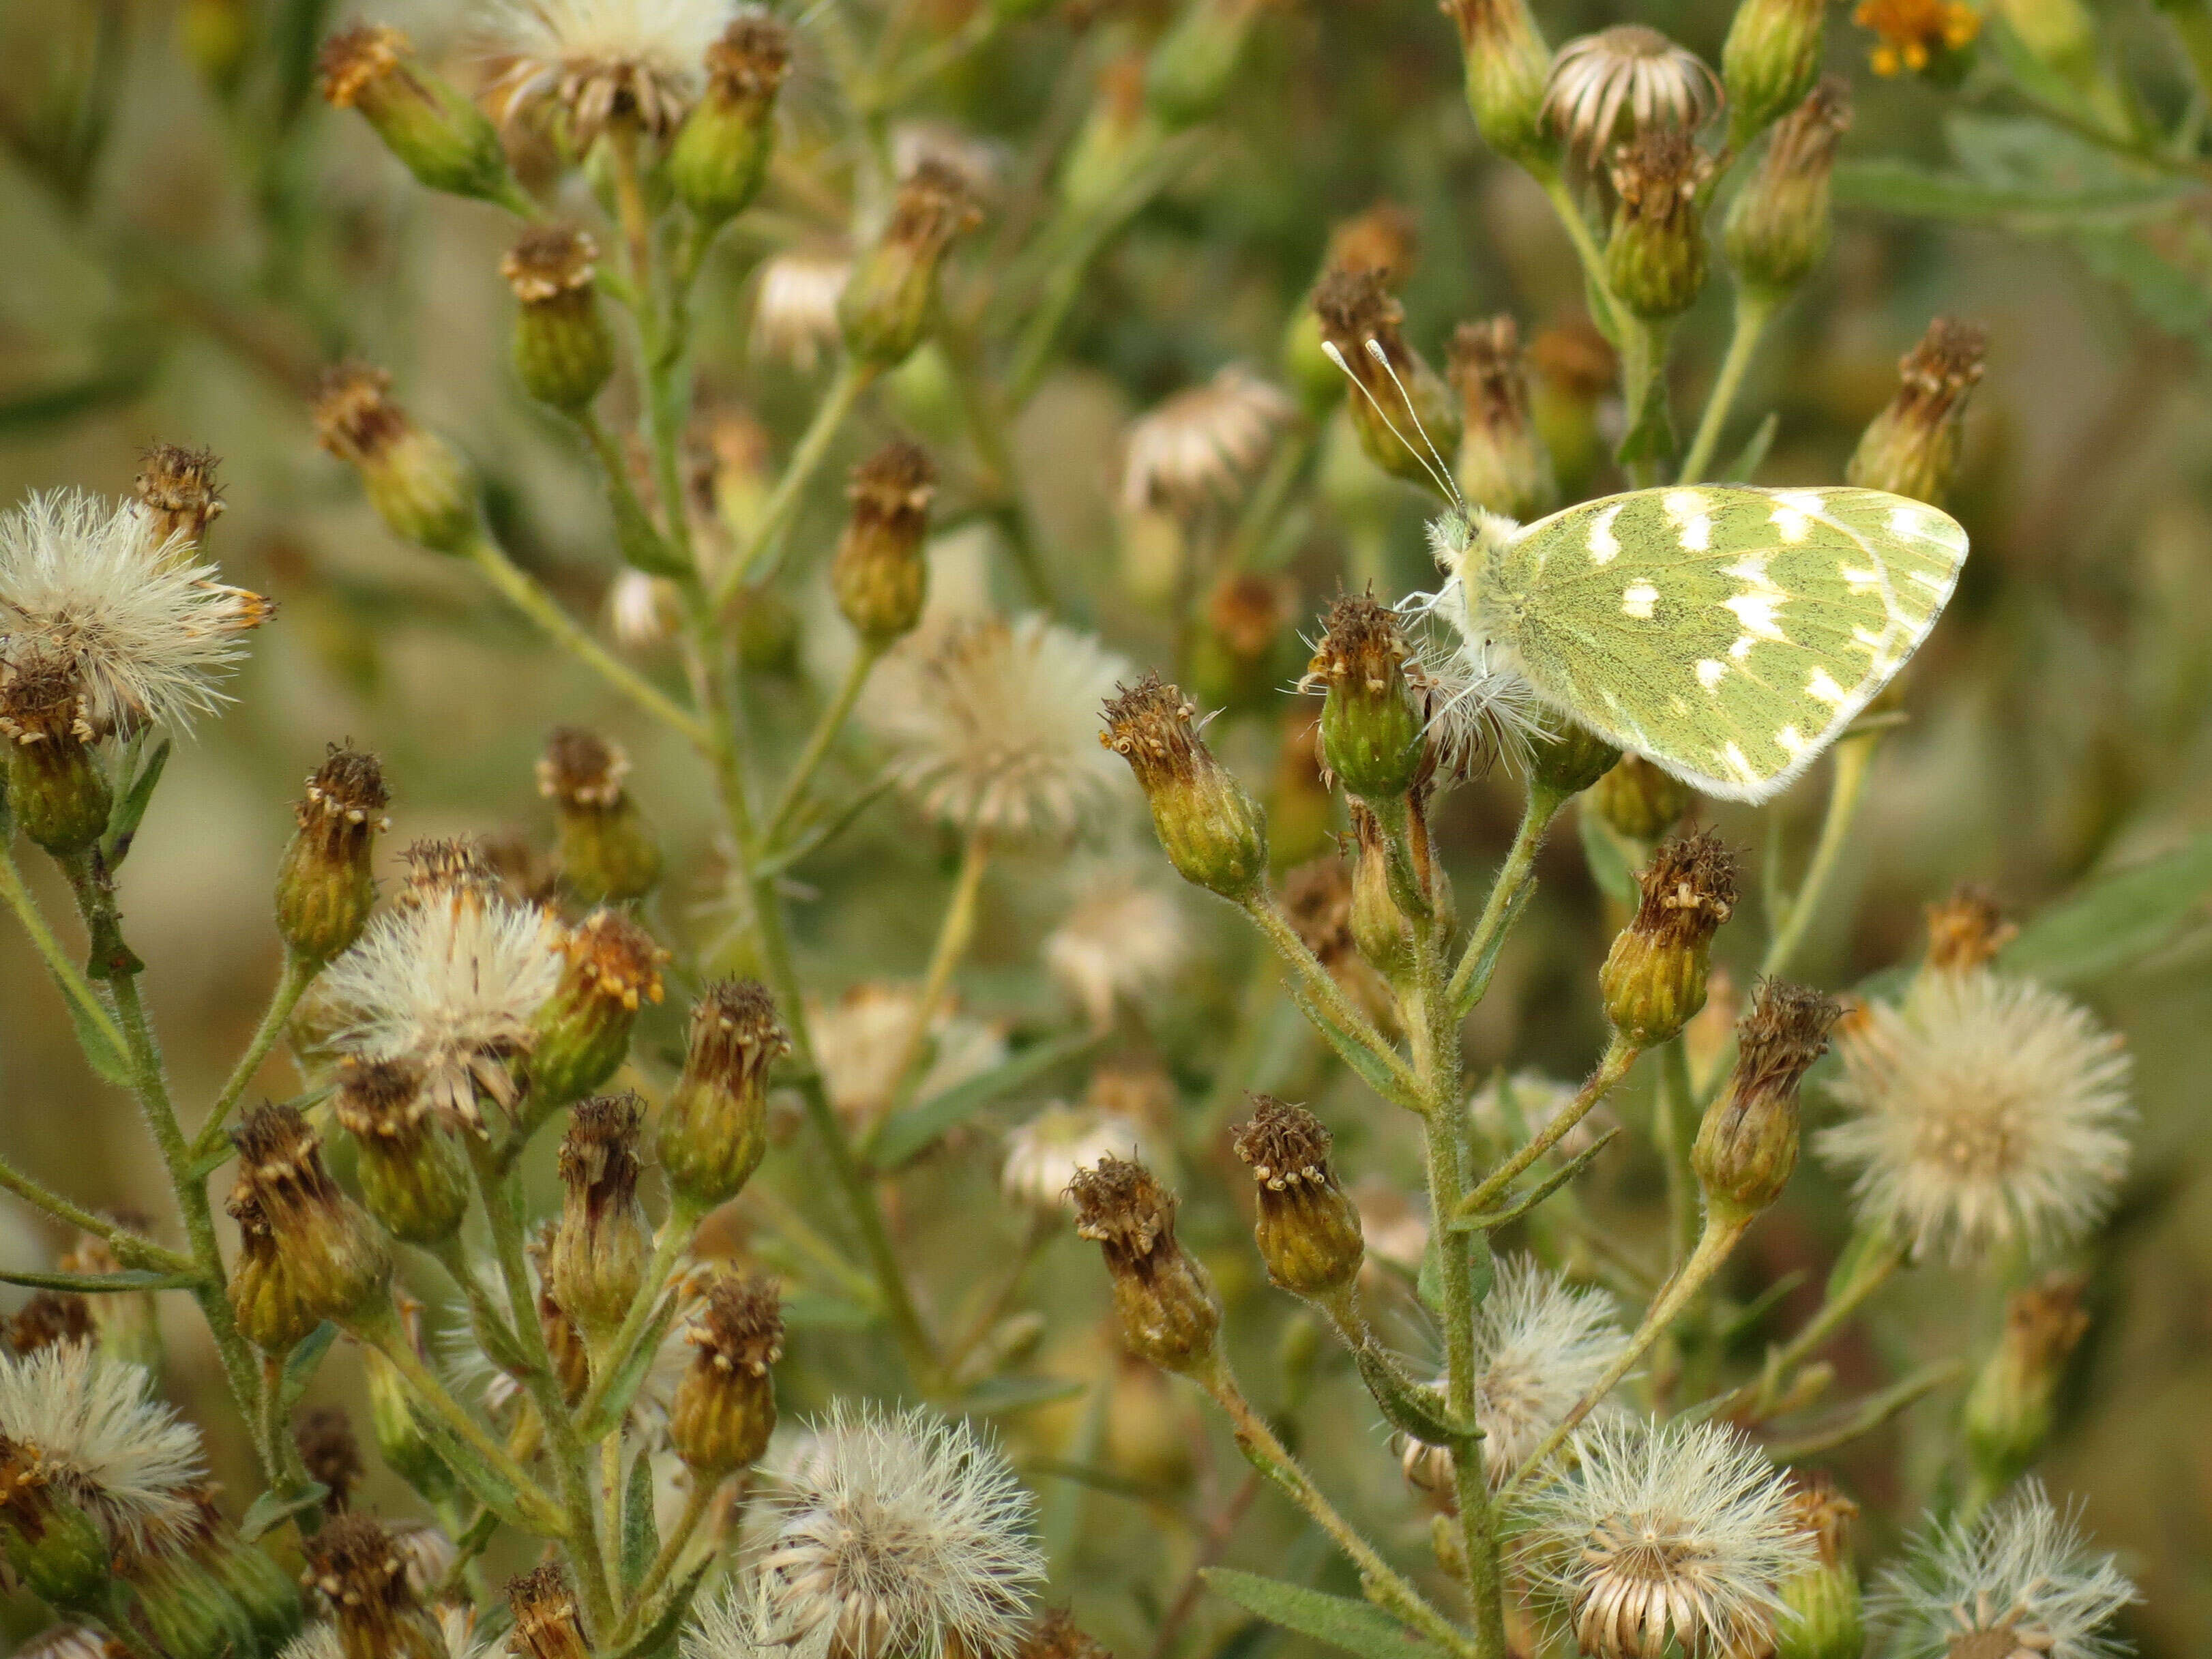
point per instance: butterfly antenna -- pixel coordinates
(1442, 483)
(1451, 486)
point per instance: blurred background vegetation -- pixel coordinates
(190, 236)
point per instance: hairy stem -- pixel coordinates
(1320, 985)
(1509, 894)
(955, 932)
(67, 976)
(757, 555)
(1753, 312)
(818, 743)
(1611, 1067)
(291, 985)
(1854, 760)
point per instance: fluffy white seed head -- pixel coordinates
(901, 1536)
(644, 59)
(2017, 1583)
(795, 307)
(861, 1039)
(1044, 1154)
(1982, 1111)
(1542, 1344)
(1202, 446)
(1124, 938)
(993, 727)
(1623, 80)
(450, 983)
(95, 1434)
(144, 625)
(1666, 1532)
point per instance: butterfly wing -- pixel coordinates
(1728, 634)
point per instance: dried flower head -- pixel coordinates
(861, 1038)
(142, 627)
(48, 1319)
(1400, 397)
(1654, 977)
(1203, 445)
(1656, 257)
(177, 492)
(1967, 931)
(1625, 80)
(1385, 239)
(330, 1454)
(86, 1426)
(1169, 1311)
(991, 726)
(358, 1566)
(1982, 1111)
(725, 1408)
(1666, 1532)
(307, 1252)
(900, 1534)
(1045, 1154)
(604, 60)
(795, 307)
(2018, 1582)
(1308, 1229)
(547, 1625)
(1213, 833)
(1123, 939)
(451, 981)
(1913, 33)
(1911, 448)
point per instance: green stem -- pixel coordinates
(1508, 893)
(1611, 1067)
(754, 558)
(1255, 528)
(1042, 1230)
(1320, 985)
(522, 590)
(291, 985)
(130, 1250)
(1578, 231)
(1854, 760)
(1754, 310)
(2192, 21)
(819, 742)
(1675, 1125)
(75, 987)
(1643, 378)
(955, 932)
(1758, 1398)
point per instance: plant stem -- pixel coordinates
(754, 558)
(1753, 311)
(1757, 1397)
(675, 1233)
(1042, 1229)
(1611, 1067)
(130, 1250)
(1673, 1127)
(74, 987)
(1854, 760)
(955, 932)
(819, 742)
(1271, 1458)
(1320, 985)
(524, 592)
(1515, 881)
(291, 985)
(1577, 227)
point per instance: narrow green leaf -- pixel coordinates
(662, 1631)
(1915, 191)
(2177, 299)
(1355, 1626)
(1003, 1396)
(99, 1050)
(1362, 1060)
(915, 1129)
(1489, 1221)
(641, 1541)
(490, 1487)
(1406, 1405)
(300, 1368)
(1612, 861)
(130, 806)
(2116, 920)
(131, 1279)
(811, 1310)
(273, 1509)
(630, 1376)
(1753, 455)
(1863, 1416)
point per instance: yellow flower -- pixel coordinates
(1912, 31)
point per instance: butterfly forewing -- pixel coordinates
(1728, 633)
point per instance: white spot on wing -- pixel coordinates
(1604, 545)
(1742, 648)
(1822, 685)
(1756, 613)
(1793, 742)
(1810, 503)
(1637, 600)
(1740, 763)
(1789, 524)
(1710, 669)
(1687, 508)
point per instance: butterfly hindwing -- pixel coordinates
(1728, 633)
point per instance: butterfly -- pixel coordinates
(1728, 633)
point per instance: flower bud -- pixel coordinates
(308, 1253)
(1654, 978)
(546, 1623)
(400, 1442)
(562, 349)
(609, 854)
(1911, 448)
(713, 1129)
(1383, 241)
(1565, 758)
(1501, 467)
(1372, 734)
(57, 787)
(1214, 836)
(325, 889)
(581, 1034)
(1508, 68)
(890, 299)
(1308, 1229)
(1169, 1312)
(596, 1262)
(1746, 1146)
(2009, 1408)
(725, 1407)
(1778, 226)
(879, 575)
(413, 1177)
(720, 153)
(56, 1550)
(442, 138)
(1966, 932)
(1236, 658)
(1768, 62)
(1355, 309)
(1638, 801)
(182, 1607)
(1318, 900)
(176, 486)
(1117, 131)
(1824, 1595)
(330, 1454)
(1654, 259)
(261, 1592)
(362, 1572)
(564, 1341)
(1195, 62)
(419, 483)
(47, 1320)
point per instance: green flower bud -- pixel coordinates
(1308, 1229)
(1373, 735)
(891, 299)
(413, 1176)
(362, 1572)
(1777, 227)
(562, 349)
(309, 1254)
(2009, 1409)
(445, 140)
(1654, 978)
(878, 575)
(713, 1130)
(57, 787)
(1768, 62)
(217, 38)
(1654, 259)
(564, 1341)
(1508, 67)
(1746, 1144)
(581, 1034)
(1911, 448)
(1214, 836)
(1566, 758)
(1359, 317)
(56, 1550)
(325, 889)
(725, 1407)
(1637, 800)
(1169, 1312)
(721, 151)
(187, 1610)
(597, 1261)
(400, 1442)
(1379, 928)
(1195, 63)
(417, 483)
(609, 852)
(1119, 131)
(1830, 1622)
(1502, 466)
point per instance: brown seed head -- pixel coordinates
(581, 769)
(177, 487)
(47, 1320)
(1777, 1041)
(933, 205)
(749, 61)
(735, 1034)
(352, 58)
(439, 867)
(1354, 307)
(330, 1454)
(361, 1571)
(41, 700)
(1308, 1231)
(741, 1327)
(1169, 1311)
(356, 419)
(599, 1155)
(550, 261)
(1967, 931)
(380, 1100)
(1823, 1514)
(546, 1622)
(1938, 372)
(1688, 891)
(1486, 364)
(1054, 1634)
(1656, 174)
(1384, 241)
(1152, 727)
(893, 487)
